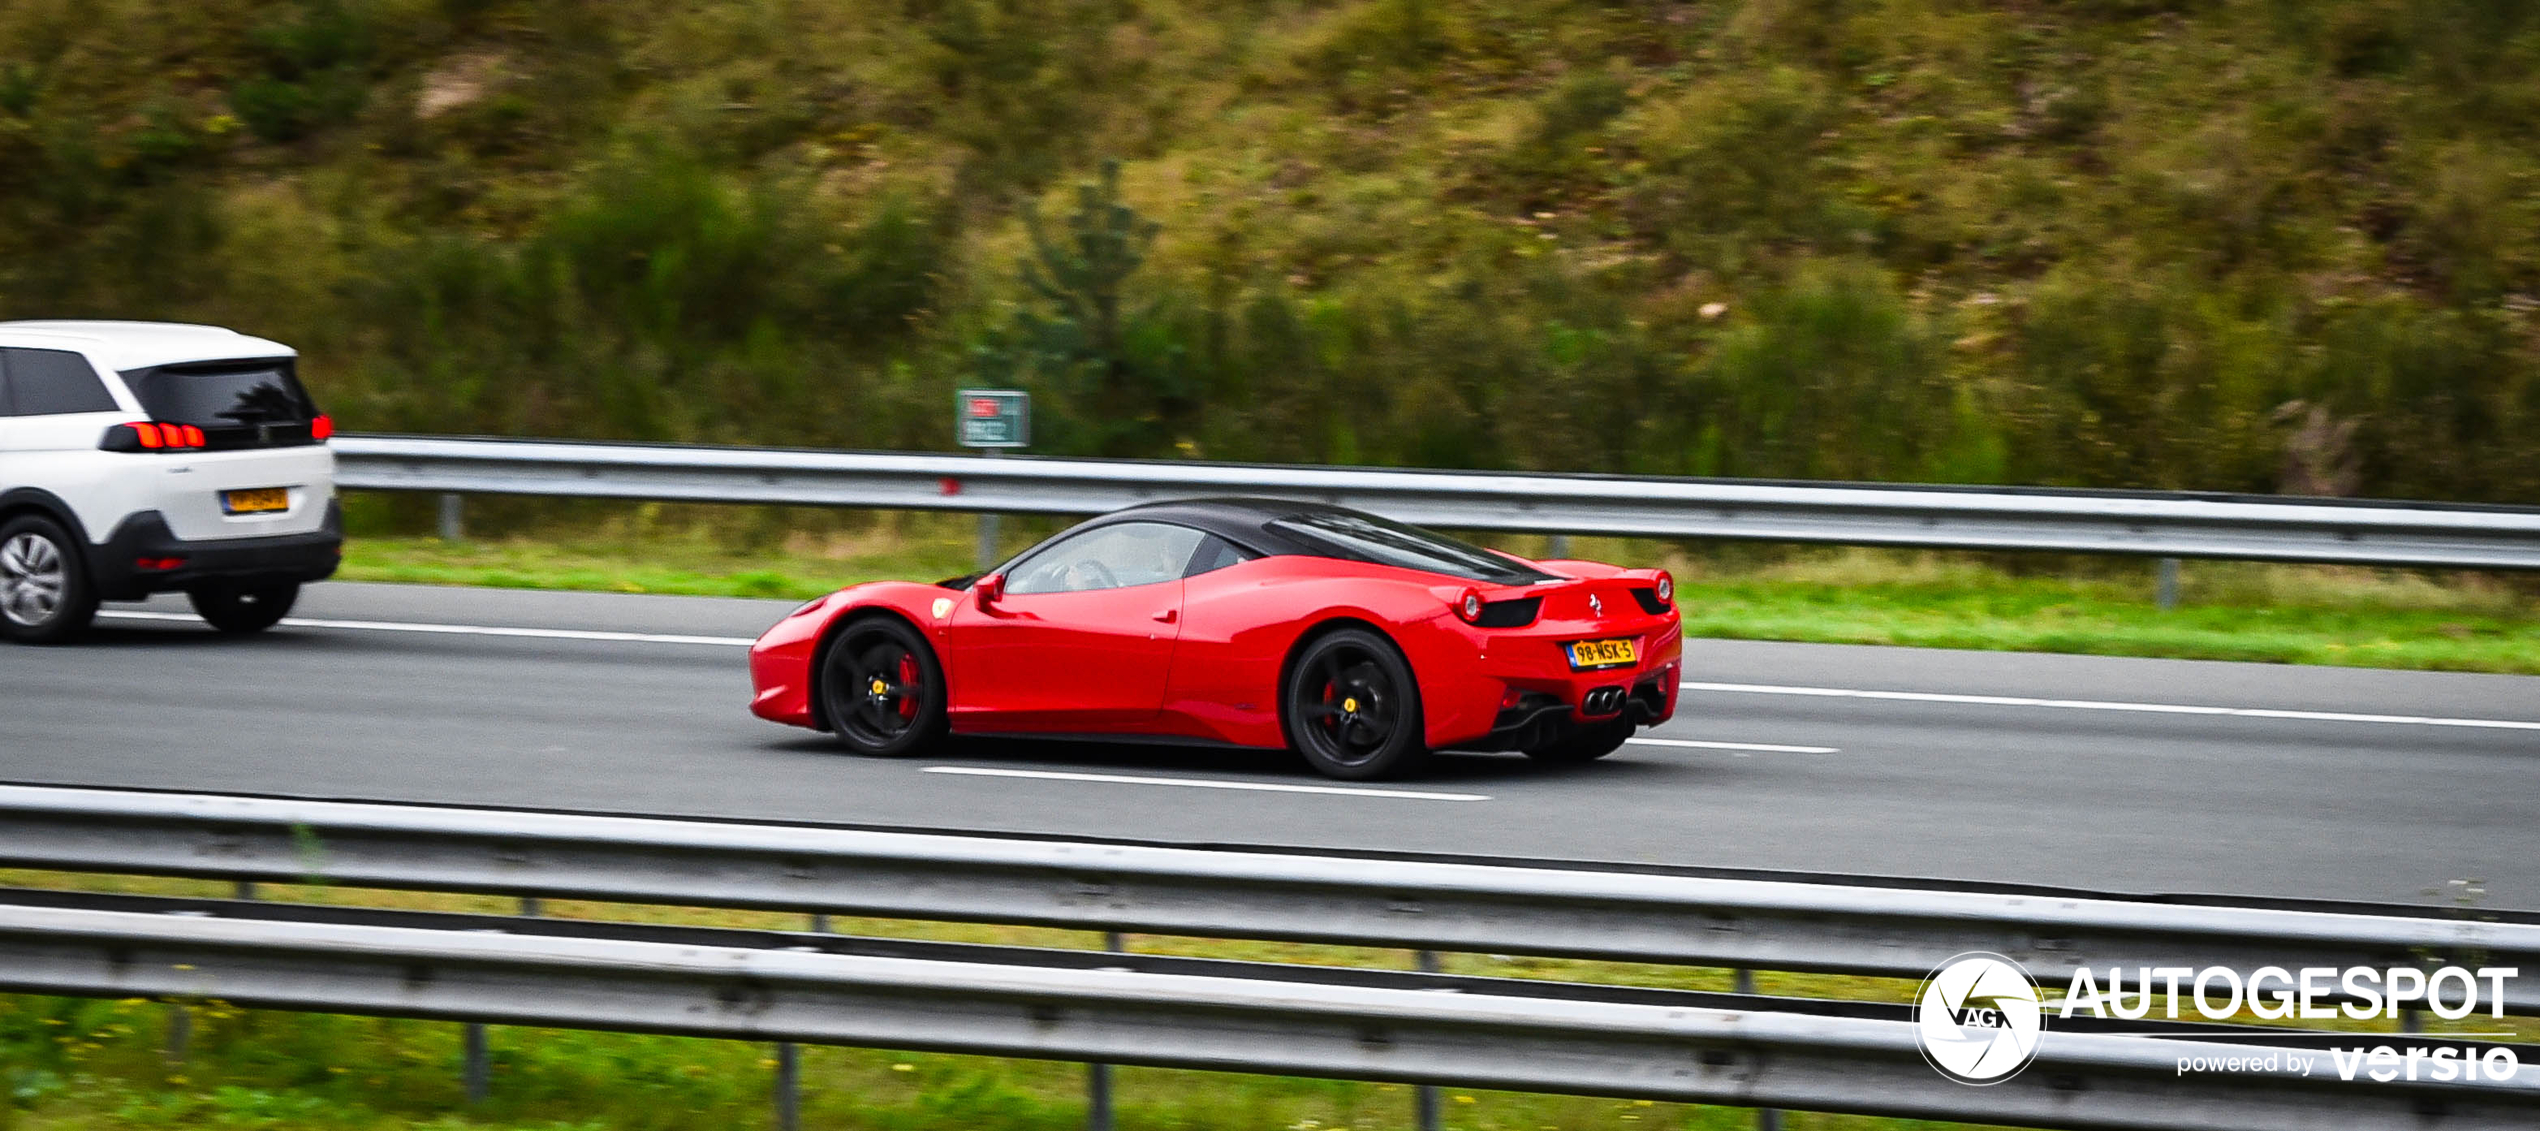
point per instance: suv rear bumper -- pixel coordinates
(278, 558)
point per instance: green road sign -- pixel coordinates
(992, 418)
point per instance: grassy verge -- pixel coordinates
(78, 1065)
(2230, 611)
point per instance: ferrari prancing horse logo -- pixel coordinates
(1596, 605)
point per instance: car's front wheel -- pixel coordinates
(1352, 709)
(45, 595)
(881, 690)
(243, 607)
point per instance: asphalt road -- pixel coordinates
(2113, 774)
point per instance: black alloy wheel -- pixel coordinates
(1352, 709)
(241, 607)
(1585, 742)
(881, 690)
(45, 597)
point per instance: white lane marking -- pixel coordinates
(1198, 783)
(1765, 747)
(2102, 705)
(464, 629)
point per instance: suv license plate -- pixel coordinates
(255, 500)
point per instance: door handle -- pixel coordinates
(1168, 616)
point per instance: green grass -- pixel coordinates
(88, 1065)
(2230, 611)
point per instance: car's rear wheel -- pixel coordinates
(880, 688)
(1352, 709)
(243, 607)
(45, 595)
(1584, 743)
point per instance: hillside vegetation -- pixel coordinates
(2257, 245)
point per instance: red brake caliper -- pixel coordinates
(908, 686)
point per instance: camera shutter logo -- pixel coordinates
(1978, 1017)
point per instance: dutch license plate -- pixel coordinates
(1603, 653)
(256, 500)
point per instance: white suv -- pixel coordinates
(146, 457)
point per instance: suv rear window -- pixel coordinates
(1367, 538)
(238, 397)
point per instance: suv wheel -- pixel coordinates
(45, 597)
(243, 607)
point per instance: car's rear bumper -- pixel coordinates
(129, 565)
(1520, 692)
(1541, 719)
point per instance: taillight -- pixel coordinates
(322, 429)
(1469, 606)
(150, 436)
(1666, 586)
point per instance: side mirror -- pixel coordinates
(991, 589)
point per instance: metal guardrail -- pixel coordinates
(1981, 518)
(1219, 1016)
(1532, 908)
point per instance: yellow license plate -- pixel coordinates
(1603, 653)
(256, 500)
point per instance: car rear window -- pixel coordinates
(1367, 538)
(223, 395)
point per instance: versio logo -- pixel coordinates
(1978, 1018)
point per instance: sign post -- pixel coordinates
(991, 419)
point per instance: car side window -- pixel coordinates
(53, 382)
(1215, 553)
(1117, 556)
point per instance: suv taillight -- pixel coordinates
(322, 429)
(148, 436)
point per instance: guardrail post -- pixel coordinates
(243, 889)
(1560, 547)
(1098, 1076)
(1424, 1098)
(788, 1086)
(477, 1070)
(450, 526)
(1766, 1119)
(474, 1069)
(180, 1032)
(2169, 584)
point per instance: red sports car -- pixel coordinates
(1359, 642)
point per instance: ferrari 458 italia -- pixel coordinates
(1361, 643)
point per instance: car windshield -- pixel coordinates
(1367, 538)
